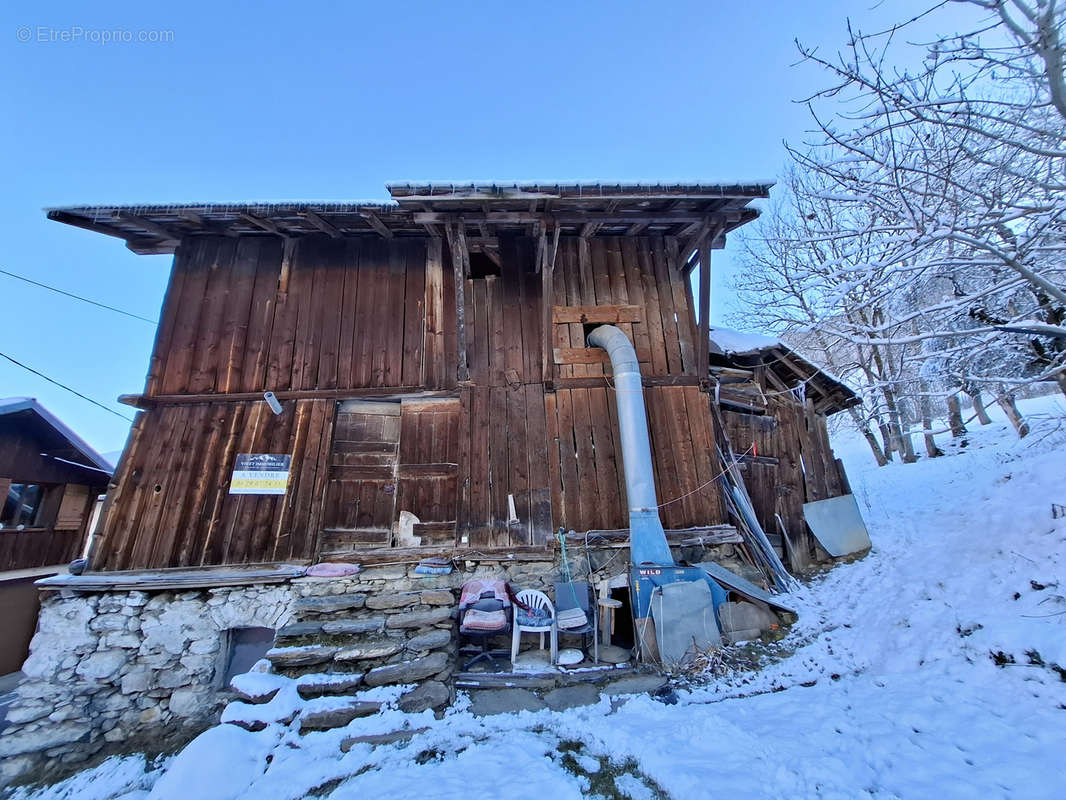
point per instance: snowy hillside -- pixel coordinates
(927, 669)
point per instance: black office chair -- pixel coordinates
(489, 607)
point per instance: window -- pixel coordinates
(483, 265)
(22, 506)
(242, 647)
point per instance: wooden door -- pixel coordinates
(428, 470)
(361, 494)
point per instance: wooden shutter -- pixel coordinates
(72, 509)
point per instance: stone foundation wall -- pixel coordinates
(104, 668)
(117, 671)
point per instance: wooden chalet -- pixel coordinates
(49, 483)
(774, 404)
(429, 359)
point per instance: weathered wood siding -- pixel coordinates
(63, 521)
(172, 507)
(248, 315)
(796, 438)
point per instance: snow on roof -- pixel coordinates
(729, 341)
(13, 405)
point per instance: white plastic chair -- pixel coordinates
(539, 600)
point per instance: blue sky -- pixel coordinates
(322, 101)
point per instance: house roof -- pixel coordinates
(745, 351)
(486, 209)
(63, 443)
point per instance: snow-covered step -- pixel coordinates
(327, 713)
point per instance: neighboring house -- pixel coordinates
(49, 482)
(774, 405)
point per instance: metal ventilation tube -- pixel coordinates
(647, 540)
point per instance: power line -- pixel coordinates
(64, 386)
(79, 297)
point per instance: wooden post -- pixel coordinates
(546, 303)
(703, 344)
(460, 260)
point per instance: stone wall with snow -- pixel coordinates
(119, 671)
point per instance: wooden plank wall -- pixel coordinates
(172, 505)
(350, 313)
(627, 271)
(806, 469)
(250, 314)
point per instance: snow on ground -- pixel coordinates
(928, 668)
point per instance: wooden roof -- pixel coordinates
(785, 370)
(684, 210)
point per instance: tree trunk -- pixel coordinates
(931, 450)
(979, 408)
(1010, 408)
(1060, 379)
(903, 436)
(958, 427)
(887, 440)
(868, 435)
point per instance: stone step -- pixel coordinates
(375, 739)
(541, 680)
(327, 685)
(333, 715)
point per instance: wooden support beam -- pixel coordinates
(609, 315)
(704, 340)
(263, 224)
(322, 224)
(561, 217)
(590, 355)
(460, 268)
(89, 225)
(636, 228)
(385, 393)
(599, 381)
(148, 225)
(375, 222)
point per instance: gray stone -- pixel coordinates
(382, 573)
(634, 684)
(108, 622)
(252, 725)
(438, 597)
(28, 712)
(301, 629)
(391, 600)
(572, 696)
(337, 717)
(611, 654)
(745, 616)
(42, 739)
(429, 641)
(190, 702)
(354, 626)
(313, 686)
(504, 701)
(300, 656)
(742, 636)
(135, 681)
(407, 671)
(330, 604)
(375, 739)
(150, 716)
(382, 648)
(255, 698)
(431, 694)
(103, 665)
(419, 619)
(122, 639)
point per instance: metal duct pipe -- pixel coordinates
(647, 540)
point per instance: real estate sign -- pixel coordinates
(260, 473)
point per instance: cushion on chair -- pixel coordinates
(477, 620)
